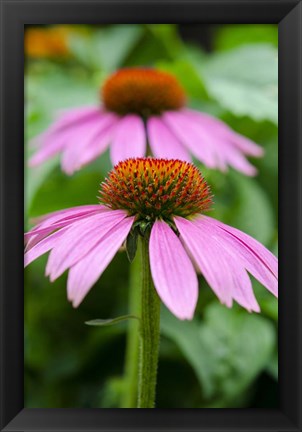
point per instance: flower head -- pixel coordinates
(142, 91)
(143, 112)
(151, 189)
(85, 239)
(47, 42)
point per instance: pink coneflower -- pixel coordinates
(143, 112)
(166, 199)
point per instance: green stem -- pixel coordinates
(149, 333)
(132, 350)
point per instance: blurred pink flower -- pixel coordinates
(85, 239)
(143, 112)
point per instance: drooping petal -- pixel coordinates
(217, 127)
(76, 134)
(96, 147)
(79, 239)
(87, 271)
(258, 260)
(225, 275)
(207, 143)
(246, 145)
(225, 149)
(81, 141)
(184, 130)
(233, 157)
(242, 290)
(226, 153)
(172, 271)
(58, 215)
(129, 139)
(163, 142)
(230, 147)
(52, 221)
(72, 116)
(209, 257)
(51, 146)
(43, 246)
(65, 119)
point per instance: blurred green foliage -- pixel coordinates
(224, 357)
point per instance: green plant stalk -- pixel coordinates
(149, 332)
(129, 399)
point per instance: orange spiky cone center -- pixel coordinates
(142, 91)
(153, 189)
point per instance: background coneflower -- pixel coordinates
(143, 111)
(47, 43)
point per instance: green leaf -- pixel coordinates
(253, 212)
(186, 336)
(239, 345)
(159, 42)
(227, 351)
(111, 45)
(59, 191)
(106, 48)
(131, 244)
(110, 321)
(273, 365)
(34, 178)
(82, 49)
(232, 36)
(241, 202)
(244, 80)
(185, 72)
(113, 391)
(57, 88)
(269, 306)
(167, 35)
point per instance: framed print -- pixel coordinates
(150, 160)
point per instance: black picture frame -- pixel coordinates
(14, 15)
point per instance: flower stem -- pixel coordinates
(149, 332)
(129, 399)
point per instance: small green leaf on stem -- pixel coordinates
(110, 321)
(131, 244)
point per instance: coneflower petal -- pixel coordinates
(227, 278)
(257, 260)
(43, 246)
(234, 158)
(52, 145)
(58, 137)
(79, 239)
(190, 137)
(71, 116)
(82, 138)
(52, 221)
(67, 118)
(129, 139)
(223, 152)
(96, 147)
(242, 290)
(86, 272)
(57, 215)
(172, 271)
(222, 130)
(209, 257)
(163, 142)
